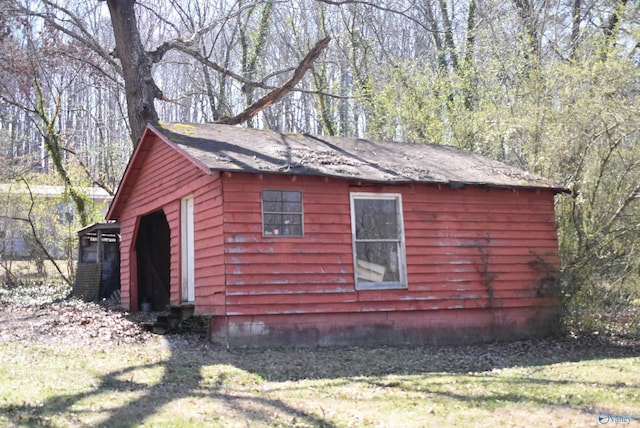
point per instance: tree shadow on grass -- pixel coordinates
(231, 380)
(182, 379)
(492, 392)
(413, 370)
(326, 363)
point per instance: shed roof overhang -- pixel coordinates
(213, 147)
(150, 136)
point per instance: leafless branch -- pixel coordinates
(34, 233)
(85, 37)
(85, 168)
(185, 44)
(186, 48)
(402, 13)
(278, 93)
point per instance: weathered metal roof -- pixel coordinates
(106, 228)
(232, 148)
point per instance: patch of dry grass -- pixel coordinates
(181, 381)
(71, 364)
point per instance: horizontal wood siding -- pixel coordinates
(286, 274)
(172, 212)
(163, 176)
(127, 258)
(209, 248)
(466, 249)
(495, 245)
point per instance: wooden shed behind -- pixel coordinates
(290, 239)
(98, 270)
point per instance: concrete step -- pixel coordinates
(180, 318)
(184, 310)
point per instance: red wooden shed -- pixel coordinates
(291, 239)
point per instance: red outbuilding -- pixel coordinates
(291, 239)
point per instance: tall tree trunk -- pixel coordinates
(253, 52)
(611, 28)
(470, 91)
(450, 45)
(529, 17)
(140, 88)
(436, 34)
(576, 19)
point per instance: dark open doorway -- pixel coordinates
(154, 259)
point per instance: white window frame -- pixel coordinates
(401, 251)
(301, 214)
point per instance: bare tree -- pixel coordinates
(140, 87)
(31, 222)
(137, 63)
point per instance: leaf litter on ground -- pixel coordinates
(78, 323)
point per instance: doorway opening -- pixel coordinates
(153, 248)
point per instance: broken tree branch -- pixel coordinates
(278, 93)
(185, 48)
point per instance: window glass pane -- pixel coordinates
(376, 219)
(272, 206)
(292, 196)
(277, 201)
(273, 219)
(377, 261)
(291, 207)
(272, 195)
(291, 219)
(282, 212)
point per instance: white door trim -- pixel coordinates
(187, 249)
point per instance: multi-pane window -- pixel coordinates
(378, 241)
(281, 213)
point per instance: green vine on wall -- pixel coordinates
(487, 277)
(548, 284)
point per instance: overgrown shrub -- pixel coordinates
(602, 308)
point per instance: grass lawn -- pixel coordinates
(180, 381)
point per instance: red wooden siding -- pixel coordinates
(479, 261)
(474, 243)
(163, 177)
(127, 262)
(465, 248)
(209, 248)
(280, 274)
(470, 248)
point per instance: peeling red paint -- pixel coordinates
(468, 253)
